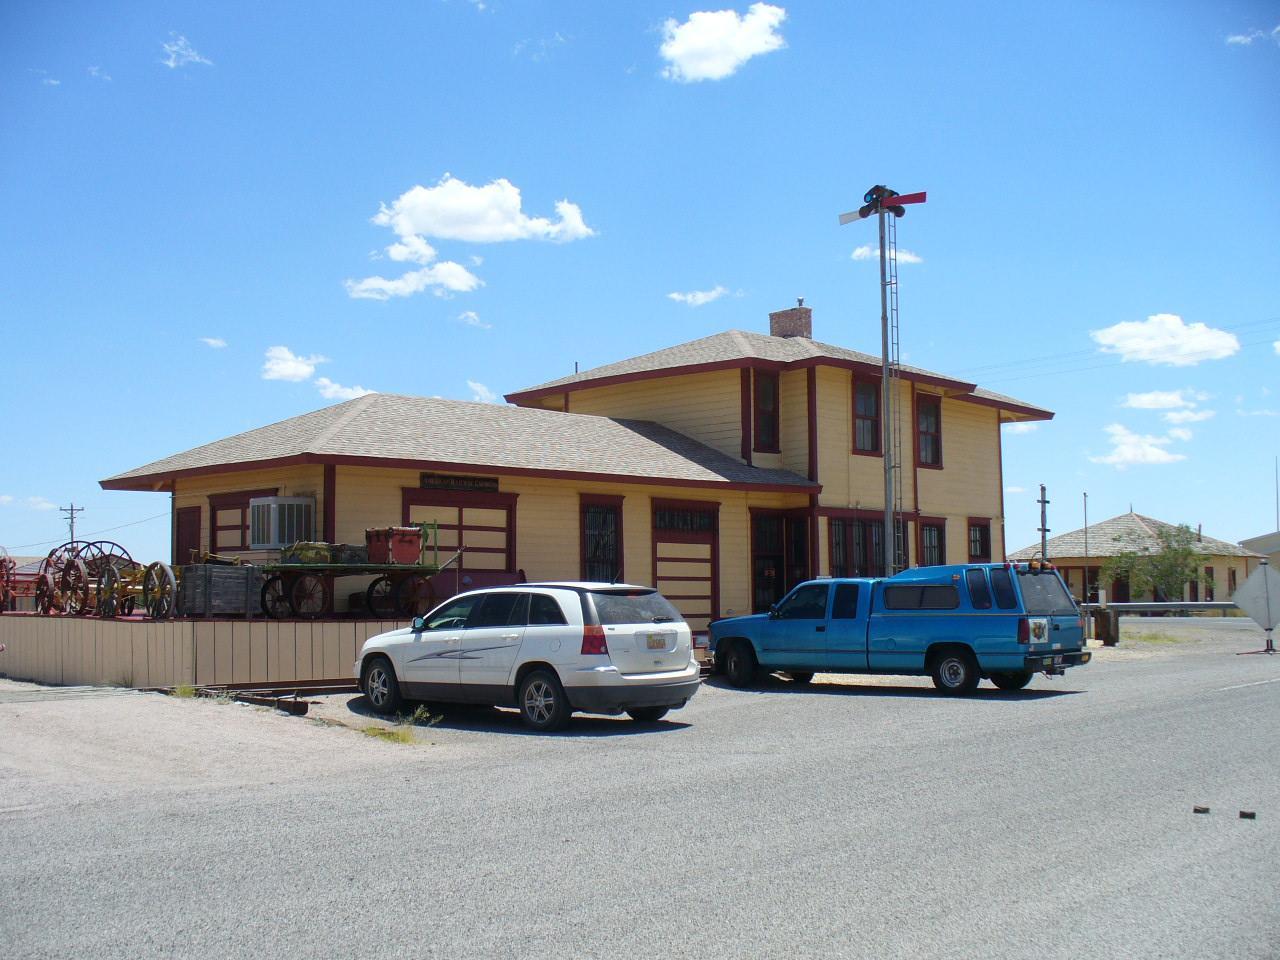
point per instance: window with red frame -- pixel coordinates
(933, 544)
(929, 430)
(766, 411)
(866, 416)
(979, 541)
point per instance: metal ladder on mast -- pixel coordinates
(895, 399)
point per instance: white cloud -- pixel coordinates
(336, 391)
(1180, 433)
(1163, 399)
(5, 499)
(178, 52)
(481, 393)
(216, 342)
(97, 73)
(1276, 347)
(441, 278)
(1021, 427)
(1015, 490)
(712, 45)
(50, 82)
(1164, 338)
(696, 298)
(1258, 413)
(538, 50)
(283, 364)
(1129, 448)
(868, 252)
(1188, 416)
(476, 261)
(1246, 39)
(472, 319)
(40, 503)
(455, 210)
(412, 249)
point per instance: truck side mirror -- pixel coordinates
(773, 611)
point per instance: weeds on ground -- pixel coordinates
(402, 731)
(184, 691)
(1155, 636)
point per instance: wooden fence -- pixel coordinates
(143, 653)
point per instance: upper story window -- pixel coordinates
(866, 416)
(929, 431)
(766, 411)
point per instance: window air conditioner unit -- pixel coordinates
(278, 522)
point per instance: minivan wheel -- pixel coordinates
(955, 672)
(740, 664)
(543, 704)
(647, 714)
(380, 686)
(1011, 681)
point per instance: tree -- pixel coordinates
(1161, 572)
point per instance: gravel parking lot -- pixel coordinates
(860, 817)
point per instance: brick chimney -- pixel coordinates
(796, 321)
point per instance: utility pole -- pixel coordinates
(1086, 547)
(70, 513)
(882, 201)
(1044, 525)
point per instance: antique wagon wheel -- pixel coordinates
(275, 599)
(414, 595)
(57, 559)
(108, 585)
(380, 599)
(77, 597)
(159, 591)
(97, 554)
(309, 596)
(47, 599)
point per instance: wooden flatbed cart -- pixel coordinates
(305, 590)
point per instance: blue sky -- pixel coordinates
(216, 215)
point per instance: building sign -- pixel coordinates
(444, 481)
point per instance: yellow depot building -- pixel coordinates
(723, 471)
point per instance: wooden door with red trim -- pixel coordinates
(186, 543)
(686, 560)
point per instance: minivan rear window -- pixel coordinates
(1044, 595)
(633, 607)
(921, 598)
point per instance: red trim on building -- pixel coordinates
(920, 524)
(462, 499)
(1004, 548)
(745, 388)
(330, 503)
(915, 402)
(599, 500)
(811, 401)
(813, 536)
(968, 535)
(673, 536)
(151, 481)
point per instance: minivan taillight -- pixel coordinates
(593, 640)
(1024, 630)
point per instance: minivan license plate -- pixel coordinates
(657, 641)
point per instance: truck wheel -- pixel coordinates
(1011, 681)
(740, 665)
(955, 672)
(801, 677)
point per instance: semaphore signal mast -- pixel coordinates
(888, 205)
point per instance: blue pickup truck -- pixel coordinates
(958, 624)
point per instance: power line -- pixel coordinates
(87, 536)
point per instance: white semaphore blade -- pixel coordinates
(849, 217)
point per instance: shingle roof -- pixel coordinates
(1129, 532)
(736, 345)
(385, 426)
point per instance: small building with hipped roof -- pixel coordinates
(1082, 553)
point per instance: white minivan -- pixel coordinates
(547, 648)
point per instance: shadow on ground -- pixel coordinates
(483, 719)
(774, 684)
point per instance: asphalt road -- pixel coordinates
(850, 819)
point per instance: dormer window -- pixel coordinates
(766, 411)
